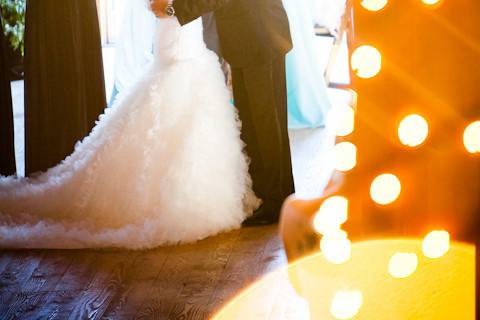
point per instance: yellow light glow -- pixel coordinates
(343, 119)
(413, 130)
(374, 5)
(346, 304)
(441, 290)
(402, 265)
(332, 214)
(431, 2)
(366, 61)
(436, 244)
(471, 137)
(385, 189)
(336, 247)
(345, 156)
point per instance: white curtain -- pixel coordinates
(134, 43)
(328, 13)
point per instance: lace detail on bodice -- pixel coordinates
(174, 42)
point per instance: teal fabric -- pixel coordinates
(308, 102)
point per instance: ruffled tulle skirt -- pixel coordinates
(164, 165)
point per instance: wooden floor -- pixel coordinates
(183, 282)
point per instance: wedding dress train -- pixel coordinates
(164, 165)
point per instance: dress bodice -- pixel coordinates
(174, 42)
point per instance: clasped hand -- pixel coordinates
(158, 7)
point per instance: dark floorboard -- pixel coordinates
(181, 282)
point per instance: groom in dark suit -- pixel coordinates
(254, 38)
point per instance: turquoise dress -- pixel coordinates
(308, 102)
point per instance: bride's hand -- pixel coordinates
(158, 7)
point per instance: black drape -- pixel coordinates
(7, 150)
(64, 85)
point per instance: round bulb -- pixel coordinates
(403, 265)
(431, 2)
(436, 244)
(471, 137)
(336, 247)
(374, 5)
(366, 61)
(385, 189)
(343, 119)
(345, 156)
(413, 130)
(346, 304)
(332, 214)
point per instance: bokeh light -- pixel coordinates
(431, 2)
(336, 247)
(332, 214)
(402, 265)
(413, 130)
(374, 5)
(366, 61)
(346, 304)
(345, 156)
(436, 244)
(471, 137)
(385, 189)
(343, 118)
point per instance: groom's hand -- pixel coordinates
(158, 7)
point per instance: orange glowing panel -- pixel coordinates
(374, 5)
(363, 289)
(366, 62)
(385, 189)
(413, 130)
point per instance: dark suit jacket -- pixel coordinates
(251, 31)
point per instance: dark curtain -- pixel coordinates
(64, 85)
(7, 150)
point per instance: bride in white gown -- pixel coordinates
(164, 165)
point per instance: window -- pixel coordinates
(110, 14)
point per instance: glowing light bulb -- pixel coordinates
(413, 130)
(436, 244)
(345, 156)
(366, 61)
(385, 189)
(431, 2)
(332, 214)
(403, 265)
(343, 119)
(346, 304)
(471, 137)
(374, 5)
(336, 247)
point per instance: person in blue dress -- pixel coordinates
(308, 103)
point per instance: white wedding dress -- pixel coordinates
(164, 165)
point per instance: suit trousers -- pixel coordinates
(261, 99)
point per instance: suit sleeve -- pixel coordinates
(189, 10)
